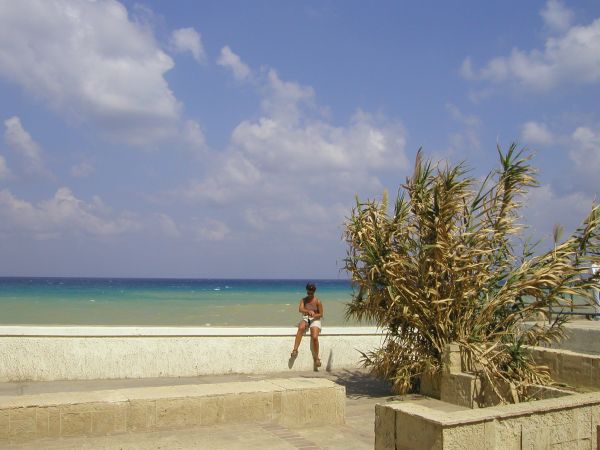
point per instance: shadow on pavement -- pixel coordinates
(361, 384)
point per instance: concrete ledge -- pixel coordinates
(574, 369)
(86, 353)
(115, 331)
(566, 422)
(294, 402)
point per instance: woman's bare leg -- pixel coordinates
(299, 334)
(314, 336)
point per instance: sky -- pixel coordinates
(228, 139)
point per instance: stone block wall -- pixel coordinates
(465, 389)
(567, 422)
(574, 369)
(294, 402)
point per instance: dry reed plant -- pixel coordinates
(443, 267)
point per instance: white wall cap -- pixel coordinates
(110, 331)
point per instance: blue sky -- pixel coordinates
(228, 139)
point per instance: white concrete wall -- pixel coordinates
(80, 353)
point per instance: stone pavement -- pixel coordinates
(363, 392)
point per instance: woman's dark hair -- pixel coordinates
(311, 287)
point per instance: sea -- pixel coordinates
(166, 302)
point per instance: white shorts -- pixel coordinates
(312, 322)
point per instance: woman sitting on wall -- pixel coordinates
(311, 309)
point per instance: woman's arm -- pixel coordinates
(301, 308)
(319, 313)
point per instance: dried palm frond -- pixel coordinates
(442, 267)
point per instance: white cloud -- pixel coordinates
(285, 100)
(585, 153)
(286, 150)
(583, 149)
(20, 141)
(82, 170)
(4, 170)
(536, 133)
(255, 219)
(478, 95)
(193, 135)
(212, 230)
(366, 143)
(168, 226)
(546, 208)
(569, 58)
(307, 218)
(234, 177)
(469, 136)
(90, 62)
(556, 15)
(188, 39)
(229, 59)
(466, 69)
(62, 214)
(457, 114)
(292, 169)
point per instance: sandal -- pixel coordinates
(294, 353)
(317, 362)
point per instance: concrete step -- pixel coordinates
(291, 402)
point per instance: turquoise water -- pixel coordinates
(189, 302)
